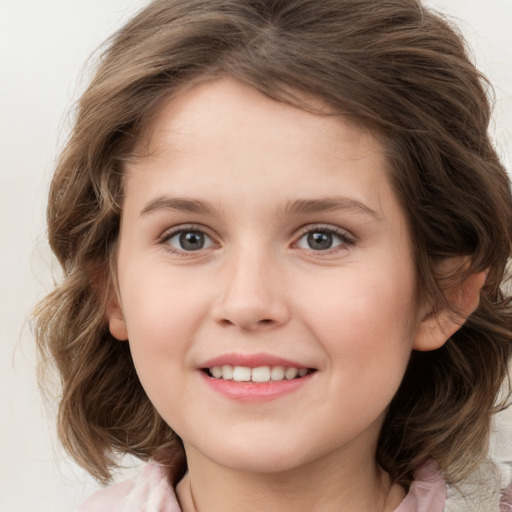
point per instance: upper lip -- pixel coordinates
(251, 361)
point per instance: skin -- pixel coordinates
(350, 312)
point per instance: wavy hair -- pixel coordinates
(397, 68)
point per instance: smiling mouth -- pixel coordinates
(258, 374)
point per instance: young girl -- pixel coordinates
(284, 233)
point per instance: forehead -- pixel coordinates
(224, 142)
(216, 108)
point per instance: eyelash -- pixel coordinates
(347, 240)
(169, 235)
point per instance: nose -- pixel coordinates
(251, 294)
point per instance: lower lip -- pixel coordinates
(255, 391)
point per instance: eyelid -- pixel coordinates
(348, 238)
(169, 233)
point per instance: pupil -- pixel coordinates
(320, 241)
(192, 240)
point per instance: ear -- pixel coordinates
(464, 298)
(115, 317)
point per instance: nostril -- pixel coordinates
(265, 321)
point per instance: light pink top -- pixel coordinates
(152, 491)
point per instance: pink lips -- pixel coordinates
(252, 391)
(251, 361)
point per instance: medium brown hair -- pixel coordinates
(395, 67)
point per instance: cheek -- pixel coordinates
(162, 317)
(365, 319)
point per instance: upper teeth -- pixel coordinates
(259, 374)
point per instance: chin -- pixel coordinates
(251, 455)
(263, 463)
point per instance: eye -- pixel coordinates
(323, 239)
(188, 240)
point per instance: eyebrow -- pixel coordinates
(299, 206)
(177, 204)
(304, 206)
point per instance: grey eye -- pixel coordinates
(190, 240)
(321, 240)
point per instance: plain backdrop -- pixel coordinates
(43, 49)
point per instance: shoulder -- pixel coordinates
(428, 491)
(107, 499)
(506, 499)
(150, 491)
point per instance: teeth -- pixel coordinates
(291, 373)
(259, 374)
(277, 373)
(241, 374)
(226, 372)
(216, 372)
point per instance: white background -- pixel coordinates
(43, 48)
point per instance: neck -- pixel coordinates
(355, 485)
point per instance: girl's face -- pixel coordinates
(258, 240)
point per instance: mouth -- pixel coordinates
(259, 374)
(257, 377)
